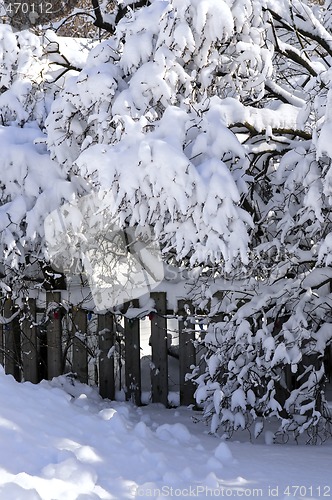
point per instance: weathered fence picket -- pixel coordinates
(159, 366)
(132, 358)
(80, 352)
(106, 338)
(12, 342)
(187, 353)
(29, 343)
(2, 345)
(54, 335)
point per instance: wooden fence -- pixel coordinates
(37, 343)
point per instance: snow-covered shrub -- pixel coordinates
(209, 121)
(31, 184)
(266, 358)
(144, 120)
(22, 68)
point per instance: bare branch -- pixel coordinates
(99, 20)
(275, 131)
(124, 10)
(312, 36)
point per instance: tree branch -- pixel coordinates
(297, 58)
(275, 131)
(65, 21)
(323, 43)
(99, 20)
(283, 95)
(122, 11)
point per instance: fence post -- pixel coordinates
(159, 368)
(187, 353)
(2, 345)
(29, 343)
(133, 358)
(54, 334)
(80, 354)
(12, 342)
(106, 332)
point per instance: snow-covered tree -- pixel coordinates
(31, 184)
(266, 356)
(210, 122)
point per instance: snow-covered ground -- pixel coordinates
(59, 440)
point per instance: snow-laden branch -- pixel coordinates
(7, 321)
(307, 26)
(99, 19)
